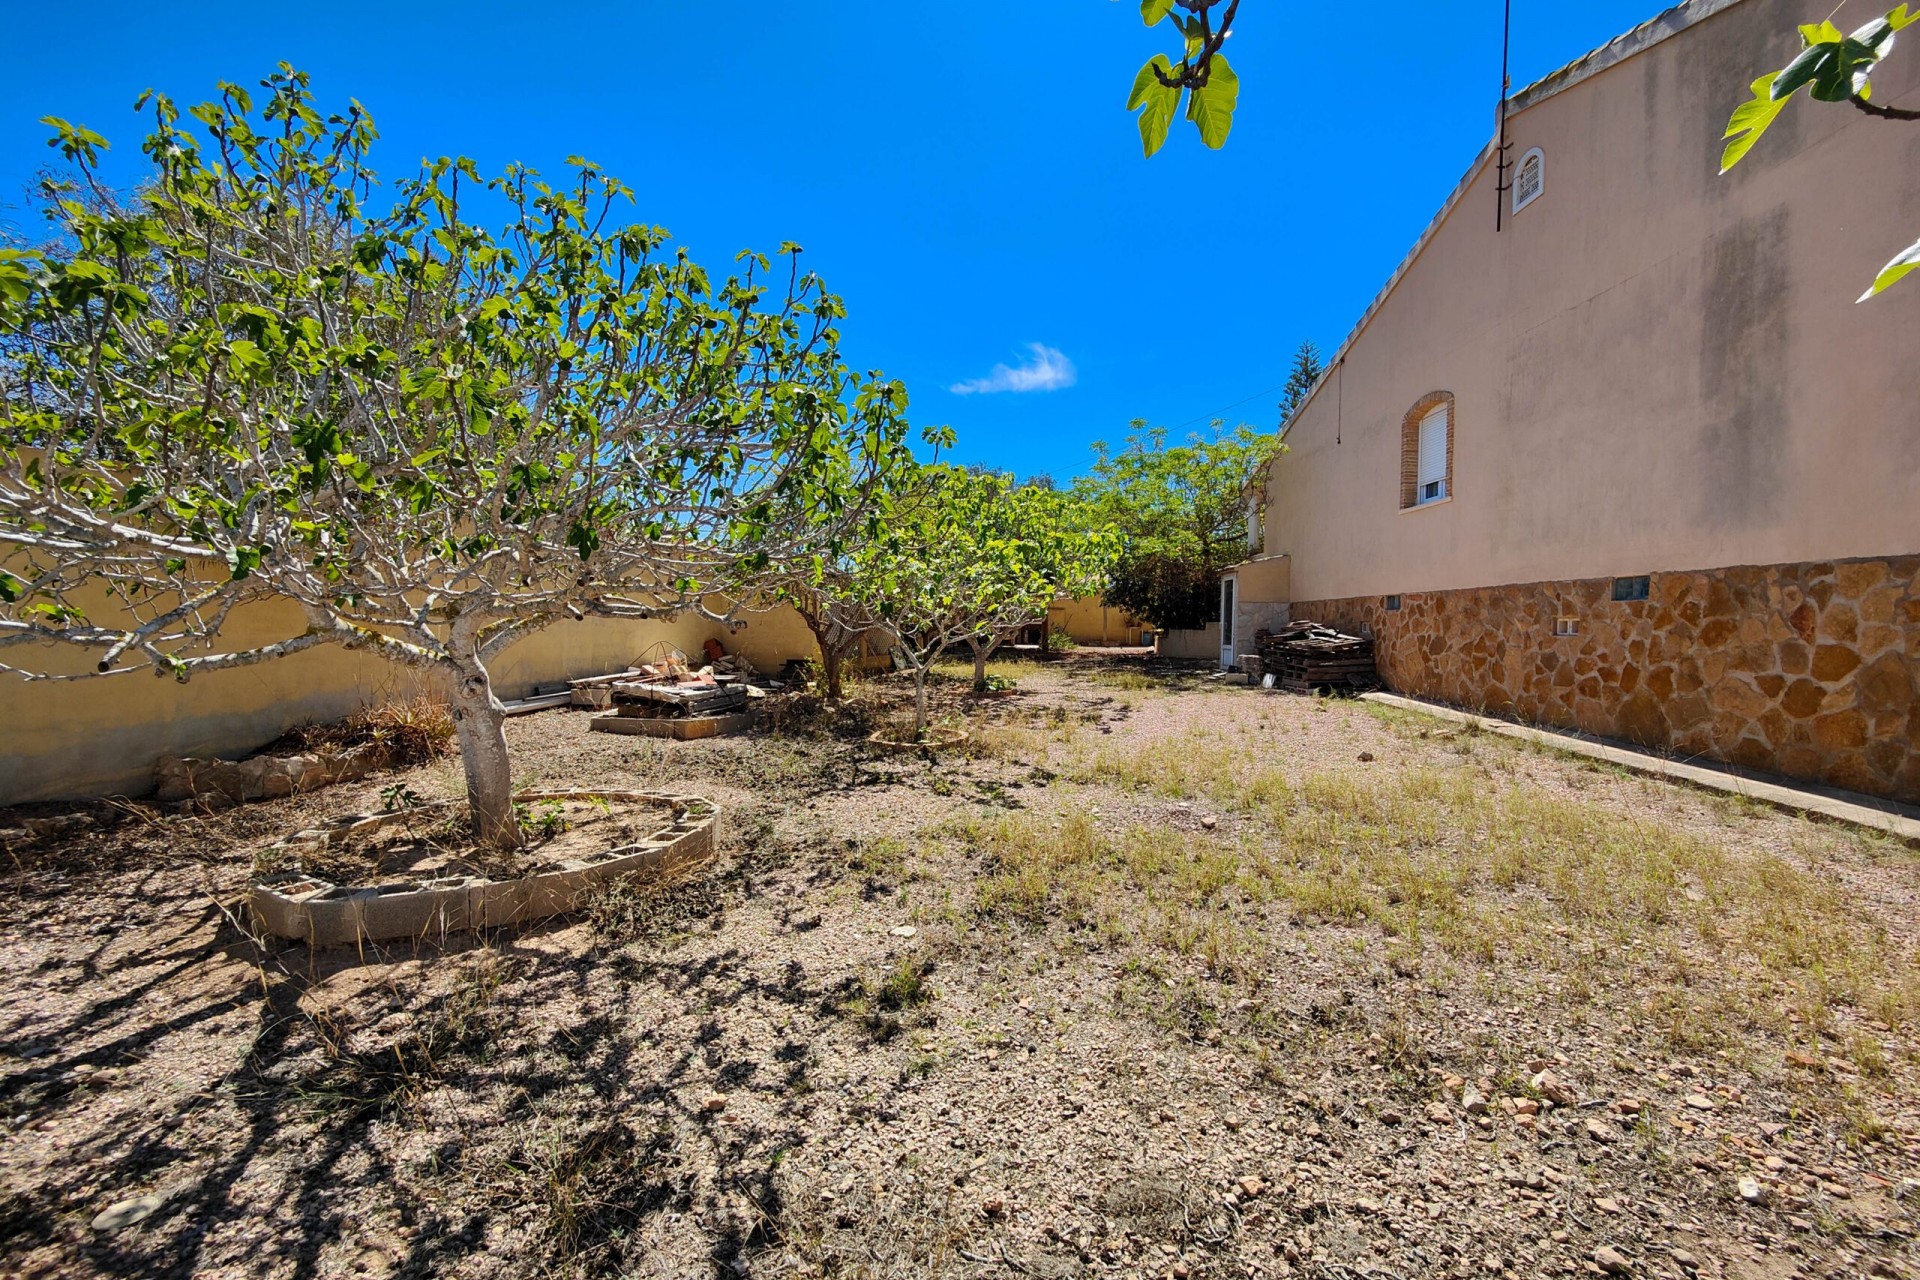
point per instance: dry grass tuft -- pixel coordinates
(592, 1190)
(658, 909)
(412, 730)
(1691, 934)
(353, 1084)
(882, 1005)
(1004, 670)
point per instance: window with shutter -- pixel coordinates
(1432, 478)
(1426, 450)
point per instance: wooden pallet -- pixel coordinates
(1305, 656)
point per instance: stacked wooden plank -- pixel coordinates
(597, 691)
(694, 698)
(689, 707)
(603, 691)
(1305, 656)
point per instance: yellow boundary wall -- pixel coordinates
(63, 740)
(1091, 623)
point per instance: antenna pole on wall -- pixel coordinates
(1501, 147)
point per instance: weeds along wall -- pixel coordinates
(75, 739)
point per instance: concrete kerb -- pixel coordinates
(316, 911)
(1897, 820)
(683, 728)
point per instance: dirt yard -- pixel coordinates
(1156, 977)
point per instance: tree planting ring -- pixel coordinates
(311, 909)
(933, 740)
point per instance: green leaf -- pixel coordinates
(1151, 11)
(584, 539)
(1845, 72)
(358, 468)
(1800, 71)
(10, 587)
(242, 561)
(1908, 259)
(1750, 120)
(1195, 33)
(1145, 82)
(1834, 67)
(1155, 101)
(76, 142)
(1211, 105)
(1878, 34)
(245, 355)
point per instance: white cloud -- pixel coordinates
(1048, 370)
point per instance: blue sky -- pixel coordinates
(964, 175)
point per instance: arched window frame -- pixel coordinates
(1410, 447)
(1534, 156)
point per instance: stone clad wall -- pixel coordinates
(1810, 670)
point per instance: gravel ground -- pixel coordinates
(1151, 979)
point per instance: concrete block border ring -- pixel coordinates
(937, 739)
(320, 913)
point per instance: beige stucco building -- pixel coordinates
(1633, 460)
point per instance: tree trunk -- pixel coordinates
(834, 644)
(1046, 634)
(819, 626)
(478, 720)
(919, 703)
(979, 662)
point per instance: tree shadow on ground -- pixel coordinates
(403, 1111)
(398, 1110)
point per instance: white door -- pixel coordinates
(1226, 624)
